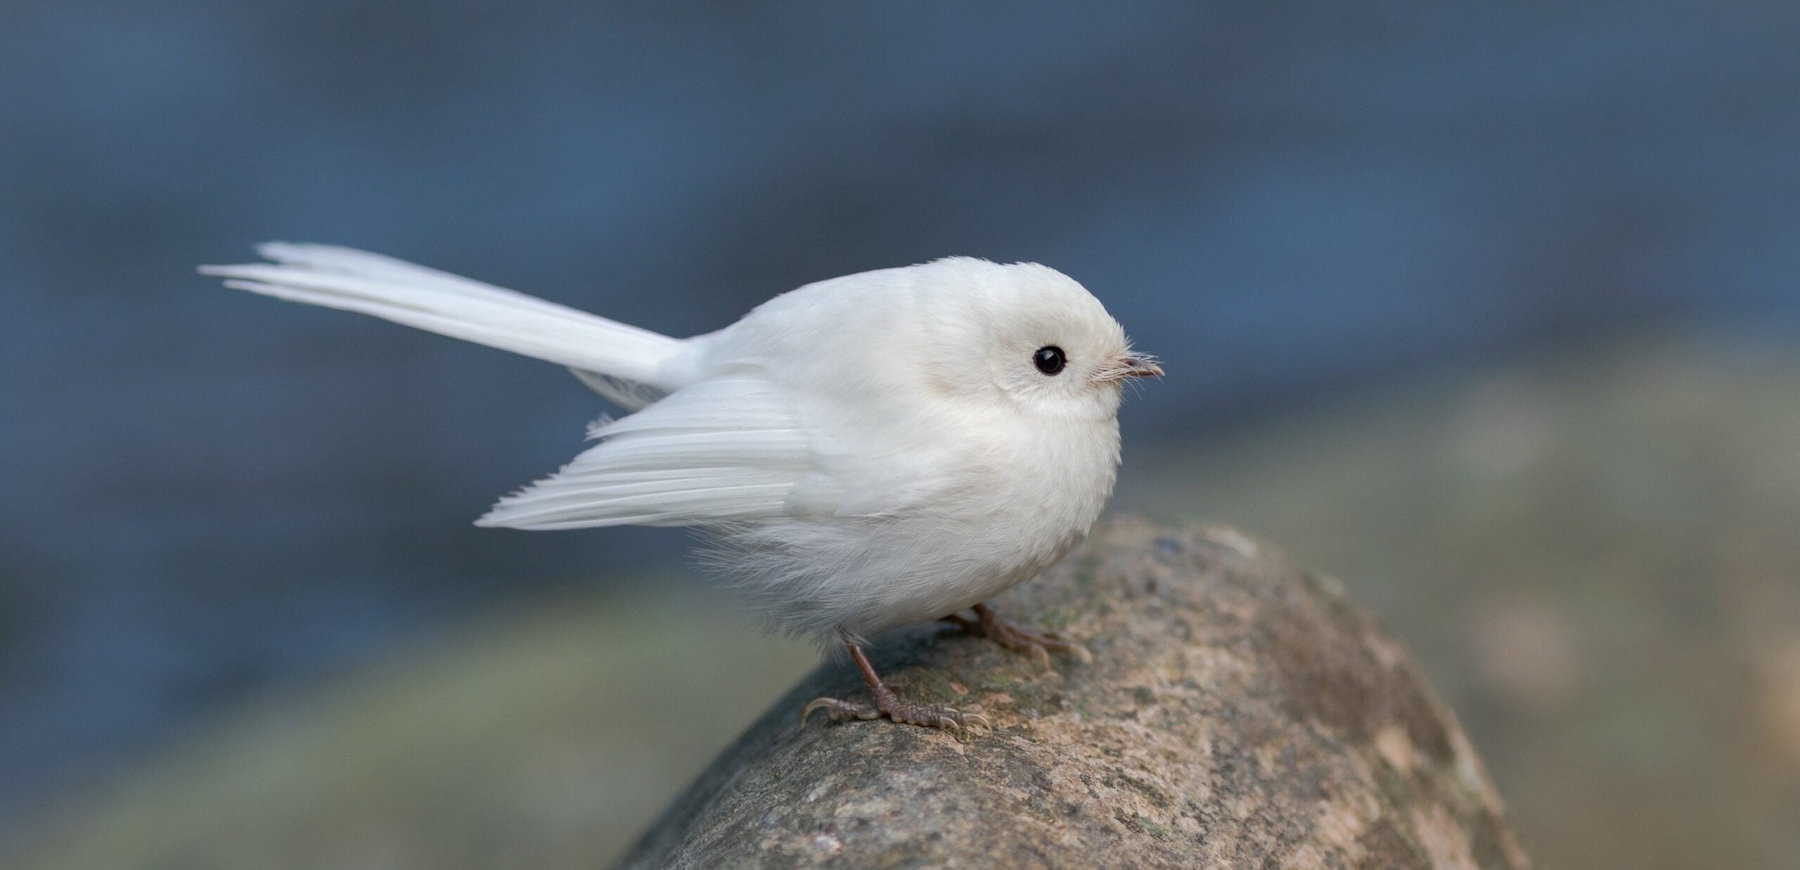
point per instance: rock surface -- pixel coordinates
(1238, 712)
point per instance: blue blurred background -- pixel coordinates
(219, 499)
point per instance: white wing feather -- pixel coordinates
(726, 449)
(704, 451)
(630, 395)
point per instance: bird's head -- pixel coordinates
(1039, 339)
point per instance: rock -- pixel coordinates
(1239, 711)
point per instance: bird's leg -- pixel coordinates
(1037, 644)
(889, 704)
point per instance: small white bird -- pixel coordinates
(870, 451)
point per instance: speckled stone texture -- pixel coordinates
(1239, 712)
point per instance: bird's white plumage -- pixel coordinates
(724, 449)
(352, 280)
(869, 451)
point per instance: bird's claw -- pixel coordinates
(838, 711)
(1037, 644)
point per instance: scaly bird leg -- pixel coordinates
(889, 704)
(1037, 644)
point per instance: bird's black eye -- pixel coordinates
(1049, 359)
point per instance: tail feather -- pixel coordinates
(458, 307)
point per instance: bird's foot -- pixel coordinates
(889, 704)
(1037, 644)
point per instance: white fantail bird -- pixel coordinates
(870, 451)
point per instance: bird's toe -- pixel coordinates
(838, 711)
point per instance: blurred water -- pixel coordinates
(214, 493)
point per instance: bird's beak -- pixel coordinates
(1131, 365)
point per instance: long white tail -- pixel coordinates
(615, 359)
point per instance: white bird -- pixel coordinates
(869, 451)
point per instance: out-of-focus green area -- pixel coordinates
(1595, 555)
(544, 736)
